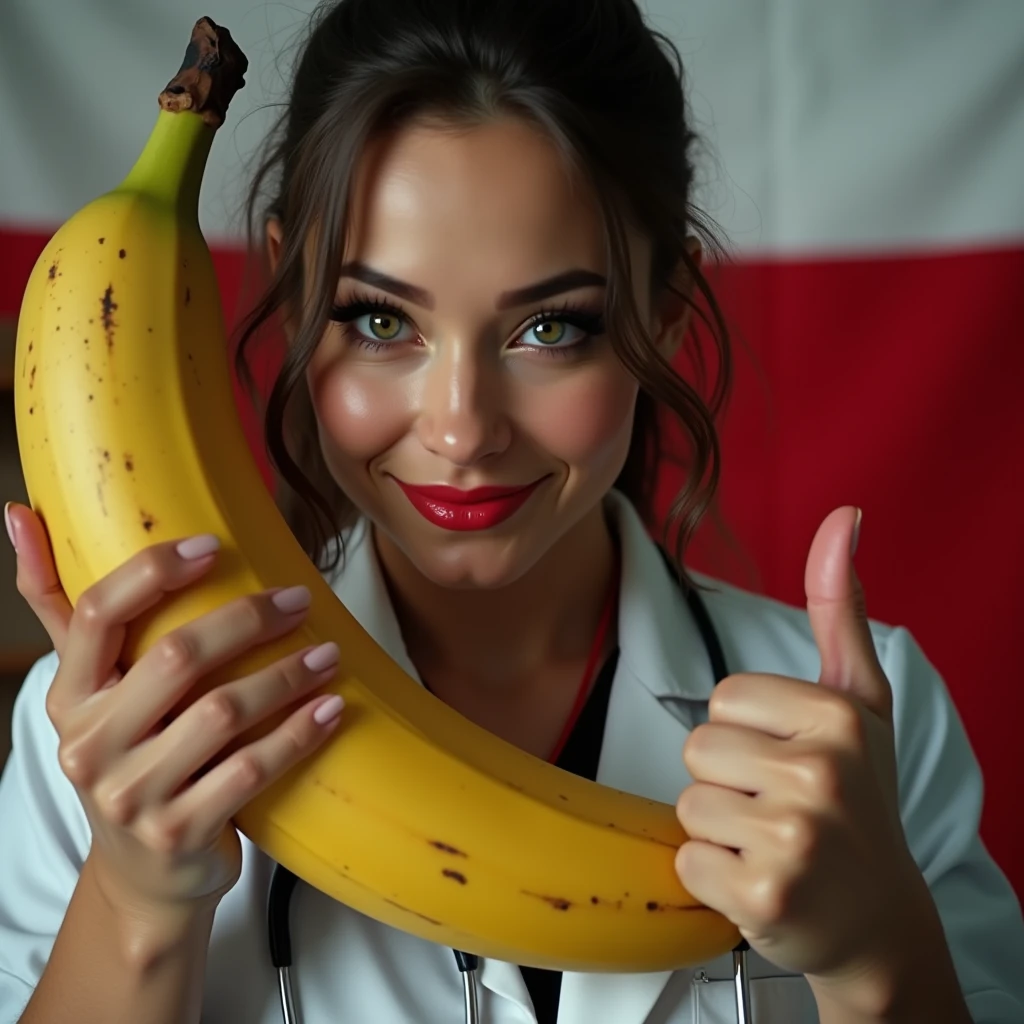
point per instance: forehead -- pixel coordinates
(496, 198)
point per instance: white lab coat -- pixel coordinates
(351, 970)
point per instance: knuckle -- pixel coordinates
(162, 833)
(176, 653)
(798, 836)
(117, 804)
(696, 745)
(90, 610)
(253, 616)
(150, 567)
(75, 763)
(820, 777)
(293, 677)
(220, 713)
(770, 899)
(249, 773)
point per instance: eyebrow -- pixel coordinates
(564, 282)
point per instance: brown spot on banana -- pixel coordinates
(455, 876)
(121, 253)
(148, 521)
(108, 305)
(188, 296)
(445, 848)
(558, 902)
(53, 271)
(129, 463)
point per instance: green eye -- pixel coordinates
(549, 332)
(384, 326)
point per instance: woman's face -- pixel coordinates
(485, 365)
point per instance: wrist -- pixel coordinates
(148, 931)
(909, 977)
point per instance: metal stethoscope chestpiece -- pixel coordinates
(279, 938)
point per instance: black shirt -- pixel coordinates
(580, 756)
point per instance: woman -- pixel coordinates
(483, 255)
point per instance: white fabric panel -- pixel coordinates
(832, 127)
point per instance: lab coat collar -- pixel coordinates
(662, 684)
(659, 642)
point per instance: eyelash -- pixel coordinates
(362, 304)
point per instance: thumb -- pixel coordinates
(838, 614)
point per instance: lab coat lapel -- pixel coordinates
(642, 753)
(660, 693)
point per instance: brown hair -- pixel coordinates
(605, 87)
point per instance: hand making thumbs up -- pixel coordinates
(793, 813)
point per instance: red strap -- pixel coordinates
(592, 659)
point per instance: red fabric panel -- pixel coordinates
(888, 382)
(895, 384)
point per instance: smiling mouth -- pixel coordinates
(481, 508)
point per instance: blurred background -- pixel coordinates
(865, 162)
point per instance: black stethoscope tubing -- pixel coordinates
(282, 885)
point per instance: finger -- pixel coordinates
(195, 818)
(154, 772)
(785, 708)
(838, 614)
(734, 756)
(97, 630)
(37, 579)
(712, 875)
(725, 817)
(165, 674)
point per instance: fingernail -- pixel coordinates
(855, 539)
(321, 658)
(291, 600)
(329, 710)
(10, 526)
(196, 547)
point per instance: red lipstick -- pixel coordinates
(478, 509)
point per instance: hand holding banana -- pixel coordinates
(162, 839)
(793, 814)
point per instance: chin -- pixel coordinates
(483, 560)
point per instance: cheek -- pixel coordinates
(588, 422)
(360, 415)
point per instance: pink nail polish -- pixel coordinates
(10, 526)
(329, 710)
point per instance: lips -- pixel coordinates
(481, 508)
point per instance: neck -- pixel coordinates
(500, 638)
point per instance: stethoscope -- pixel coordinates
(282, 884)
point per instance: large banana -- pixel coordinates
(129, 435)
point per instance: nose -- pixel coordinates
(462, 416)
